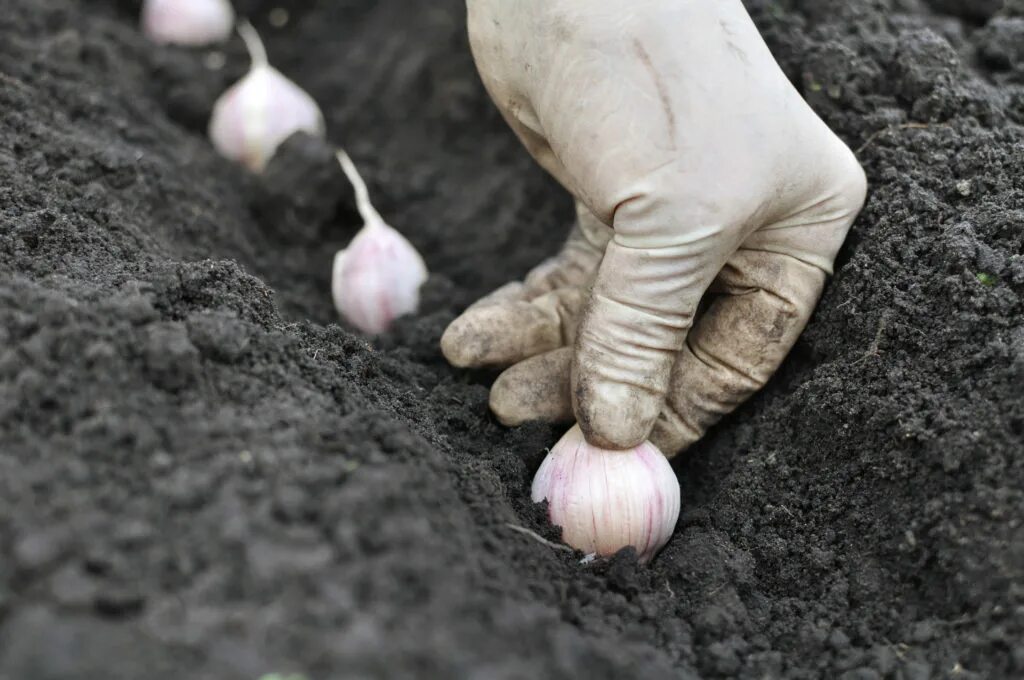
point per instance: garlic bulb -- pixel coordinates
(261, 110)
(378, 277)
(607, 500)
(188, 22)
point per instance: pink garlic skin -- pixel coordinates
(607, 500)
(191, 23)
(377, 278)
(256, 114)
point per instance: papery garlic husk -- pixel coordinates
(191, 23)
(259, 112)
(607, 500)
(378, 277)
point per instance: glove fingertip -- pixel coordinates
(536, 389)
(460, 344)
(506, 404)
(613, 415)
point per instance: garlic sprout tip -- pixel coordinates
(363, 204)
(253, 44)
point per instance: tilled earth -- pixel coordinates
(203, 475)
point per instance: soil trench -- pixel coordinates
(204, 475)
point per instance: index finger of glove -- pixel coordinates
(505, 332)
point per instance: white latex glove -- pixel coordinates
(696, 167)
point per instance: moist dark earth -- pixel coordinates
(205, 475)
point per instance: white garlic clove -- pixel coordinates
(378, 277)
(607, 500)
(188, 22)
(259, 112)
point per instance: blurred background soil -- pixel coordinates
(203, 475)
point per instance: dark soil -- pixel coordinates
(204, 476)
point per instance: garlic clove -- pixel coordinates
(187, 22)
(259, 112)
(607, 500)
(378, 277)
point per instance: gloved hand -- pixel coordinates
(697, 168)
